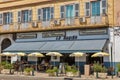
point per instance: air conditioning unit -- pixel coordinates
(57, 22)
(82, 20)
(34, 24)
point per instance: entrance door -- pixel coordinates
(69, 14)
(91, 60)
(68, 60)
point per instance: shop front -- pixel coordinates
(88, 41)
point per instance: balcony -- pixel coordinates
(55, 24)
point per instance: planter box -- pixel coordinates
(27, 74)
(6, 71)
(102, 75)
(118, 74)
(52, 74)
(69, 74)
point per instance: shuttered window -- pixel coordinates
(25, 16)
(45, 14)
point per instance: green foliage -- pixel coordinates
(28, 70)
(8, 66)
(72, 69)
(103, 69)
(98, 68)
(1, 67)
(118, 67)
(55, 69)
(4, 63)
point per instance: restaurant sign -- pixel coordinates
(53, 34)
(26, 35)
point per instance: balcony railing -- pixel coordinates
(67, 23)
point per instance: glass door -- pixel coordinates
(69, 14)
(46, 17)
(96, 12)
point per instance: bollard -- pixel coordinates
(96, 74)
(33, 73)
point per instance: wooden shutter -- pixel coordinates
(87, 9)
(62, 11)
(19, 16)
(1, 18)
(39, 14)
(52, 12)
(76, 10)
(29, 15)
(11, 17)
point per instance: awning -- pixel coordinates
(87, 46)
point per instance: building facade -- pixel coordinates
(87, 26)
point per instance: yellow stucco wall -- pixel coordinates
(17, 5)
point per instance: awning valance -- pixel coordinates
(87, 46)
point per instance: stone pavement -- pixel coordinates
(44, 76)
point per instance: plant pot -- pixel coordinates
(118, 74)
(6, 71)
(1, 71)
(96, 74)
(102, 75)
(76, 74)
(52, 74)
(69, 74)
(27, 73)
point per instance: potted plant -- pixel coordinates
(1, 68)
(28, 71)
(71, 71)
(103, 72)
(52, 72)
(96, 68)
(8, 68)
(99, 71)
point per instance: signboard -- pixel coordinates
(53, 34)
(26, 35)
(93, 31)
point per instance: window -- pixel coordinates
(95, 8)
(45, 14)
(7, 18)
(87, 9)
(71, 10)
(104, 6)
(25, 16)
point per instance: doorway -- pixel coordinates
(66, 59)
(5, 44)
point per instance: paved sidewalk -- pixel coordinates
(44, 76)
